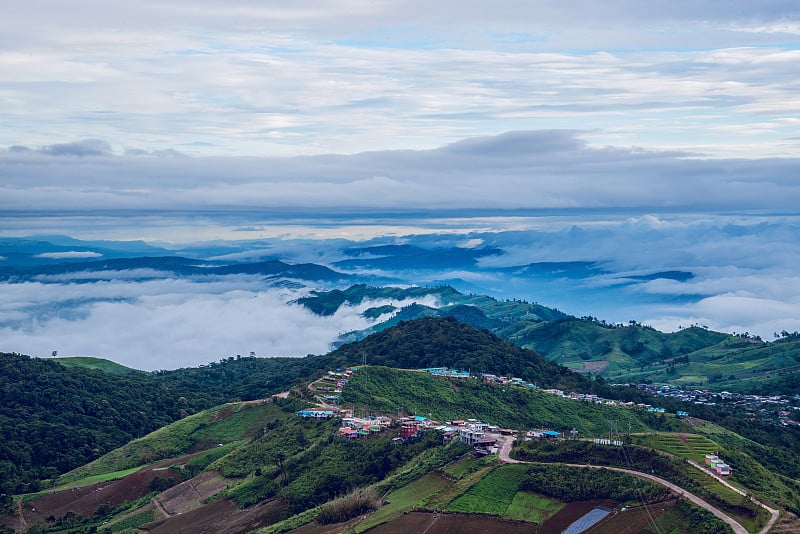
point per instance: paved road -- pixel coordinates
(773, 513)
(505, 449)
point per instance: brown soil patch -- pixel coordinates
(788, 523)
(569, 514)
(85, 500)
(222, 414)
(632, 520)
(595, 367)
(191, 494)
(336, 528)
(220, 517)
(449, 523)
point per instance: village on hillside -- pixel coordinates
(484, 437)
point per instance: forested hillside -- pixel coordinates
(54, 418)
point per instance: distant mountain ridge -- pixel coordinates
(692, 357)
(630, 352)
(178, 266)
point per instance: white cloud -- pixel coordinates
(71, 254)
(353, 76)
(170, 323)
(515, 170)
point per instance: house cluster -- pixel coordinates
(541, 434)
(780, 409)
(481, 435)
(317, 414)
(332, 382)
(447, 372)
(506, 381)
(717, 465)
(354, 427)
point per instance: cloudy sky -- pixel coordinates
(196, 105)
(276, 78)
(643, 135)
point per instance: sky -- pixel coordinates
(658, 135)
(273, 78)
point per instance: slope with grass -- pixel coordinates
(387, 390)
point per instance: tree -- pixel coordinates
(280, 458)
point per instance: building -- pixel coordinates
(470, 435)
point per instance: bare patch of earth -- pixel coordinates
(85, 500)
(594, 367)
(220, 517)
(191, 494)
(431, 523)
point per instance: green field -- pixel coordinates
(532, 507)
(200, 431)
(689, 446)
(100, 364)
(493, 494)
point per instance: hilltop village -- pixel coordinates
(483, 436)
(486, 438)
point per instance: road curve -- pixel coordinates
(774, 514)
(505, 449)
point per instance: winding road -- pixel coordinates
(508, 442)
(772, 512)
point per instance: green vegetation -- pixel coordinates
(100, 364)
(494, 493)
(253, 490)
(404, 499)
(641, 459)
(433, 342)
(384, 389)
(261, 452)
(578, 484)
(132, 521)
(347, 507)
(689, 446)
(701, 521)
(54, 418)
(191, 434)
(630, 352)
(532, 507)
(101, 477)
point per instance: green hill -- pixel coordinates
(436, 342)
(57, 414)
(631, 352)
(254, 462)
(416, 392)
(100, 364)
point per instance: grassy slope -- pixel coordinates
(100, 364)
(197, 432)
(384, 389)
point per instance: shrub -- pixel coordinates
(347, 507)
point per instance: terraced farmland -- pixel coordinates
(689, 446)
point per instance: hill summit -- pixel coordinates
(446, 342)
